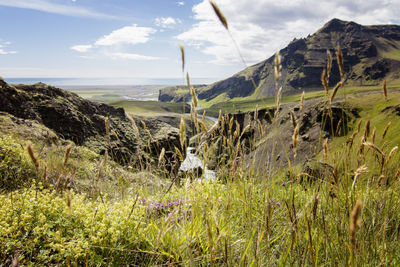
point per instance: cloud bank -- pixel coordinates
(261, 27)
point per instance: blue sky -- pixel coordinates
(132, 38)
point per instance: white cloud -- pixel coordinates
(180, 3)
(113, 45)
(127, 35)
(81, 48)
(132, 56)
(261, 27)
(4, 50)
(49, 7)
(167, 22)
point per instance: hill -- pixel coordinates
(371, 54)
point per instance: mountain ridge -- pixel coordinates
(371, 54)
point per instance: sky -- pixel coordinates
(140, 38)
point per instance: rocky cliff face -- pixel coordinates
(72, 117)
(371, 53)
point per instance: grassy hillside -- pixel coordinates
(331, 201)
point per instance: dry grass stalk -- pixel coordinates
(374, 147)
(324, 80)
(384, 88)
(325, 146)
(203, 126)
(335, 89)
(354, 223)
(194, 96)
(134, 126)
(339, 57)
(182, 48)
(178, 152)
(391, 153)
(204, 115)
(360, 170)
(245, 129)
(107, 126)
(397, 174)
(373, 135)
(230, 124)
(302, 101)
(359, 126)
(329, 63)
(182, 133)
(295, 139)
(187, 80)
(386, 130)
(367, 129)
(66, 154)
(380, 179)
(260, 129)
(102, 164)
(277, 67)
(161, 157)
(219, 14)
(293, 117)
(278, 101)
(32, 155)
(144, 125)
(351, 139)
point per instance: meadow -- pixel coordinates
(66, 205)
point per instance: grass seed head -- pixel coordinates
(373, 135)
(182, 48)
(32, 155)
(219, 14)
(277, 67)
(339, 57)
(386, 130)
(374, 147)
(295, 139)
(324, 80)
(384, 88)
(182, 133)
(67, 153)
(293, 117)
(302, 100)
(335, 89)
(107, 126)
(355, 222)
(367, 129)
(161, 157)
(391, 153)
(134, 126)
(329, 63)
(325, 146)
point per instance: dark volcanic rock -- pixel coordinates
(72, 117)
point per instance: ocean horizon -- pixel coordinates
(108, 81)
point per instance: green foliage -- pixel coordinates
(16, 168)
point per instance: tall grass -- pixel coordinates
(345, 214)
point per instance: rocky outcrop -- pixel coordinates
(369, 56)
(72, 117)
(177, 93)
(274, 146)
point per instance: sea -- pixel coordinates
(145, 89)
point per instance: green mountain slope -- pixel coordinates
(371, 54)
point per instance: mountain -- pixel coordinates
(371, 53)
